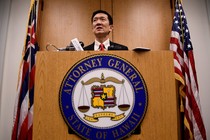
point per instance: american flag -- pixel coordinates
(23, 114)
(185, 73)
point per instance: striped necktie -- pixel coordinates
(101, 47)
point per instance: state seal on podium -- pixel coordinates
(103, 97)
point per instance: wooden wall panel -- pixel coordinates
(63, 20)
(142, 23)
(137, 23)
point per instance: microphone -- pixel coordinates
(77, 44)
(71, 47)
(68, 48)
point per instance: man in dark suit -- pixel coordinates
(102, 25)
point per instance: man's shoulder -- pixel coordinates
(89, 47)
(117, 46)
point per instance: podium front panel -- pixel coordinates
(161, 119)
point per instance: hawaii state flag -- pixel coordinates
(23, 114)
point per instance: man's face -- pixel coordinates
(101, 25)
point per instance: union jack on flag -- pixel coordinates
(23, 114)
(185, 73)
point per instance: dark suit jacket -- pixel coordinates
(113, 46)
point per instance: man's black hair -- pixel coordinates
(104, 12)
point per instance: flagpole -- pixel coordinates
(180, 14)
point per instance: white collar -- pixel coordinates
(106, 44)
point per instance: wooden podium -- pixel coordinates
(161, 120)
